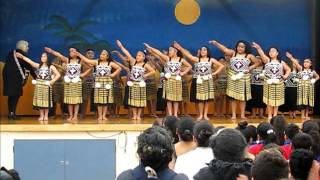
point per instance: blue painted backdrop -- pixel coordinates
(98, 23)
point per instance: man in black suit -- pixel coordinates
(15, 76)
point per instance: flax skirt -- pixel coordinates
(273, 94)
(205, 90)
(73, 93)
(42, 97)
(305, 94)
(102, 95)
(172, 89)
(137, 96)
(239, 89)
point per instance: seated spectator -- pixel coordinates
(302, 141)
(11, 174)
(290, 131)
(301, 161)
(273, 147)
(249, 132)
(266, 135)
(185, 134)
(229, 149)
(311, 127)
(279, 124)
(170, 123)
(270, 165)
(155, 151)
(191, 162)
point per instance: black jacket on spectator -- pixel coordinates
(222, 170)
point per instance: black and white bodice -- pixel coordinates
(203, 68)
(305, 75)
(103, 70)
(273, 70)
(256, 78)
(173, 67)
(73, 70)
(137, 73)
(239, 64)
(291, 80)
(44, 73)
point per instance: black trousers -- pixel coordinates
(12, 103)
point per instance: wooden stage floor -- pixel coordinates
(31, 124)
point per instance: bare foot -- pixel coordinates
(243, 118)
(74, 120)
(207, 118)
(199, 118)
(69, 119)
(233, 118)
(105, 119)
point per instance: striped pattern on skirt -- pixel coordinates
(42, 97)
(273, 94)
(72, 93)
(185, 91)
(172, 89)
(117, 93)
(87, 86)
(137, 95)
(58, 91)
(205, 90)
(239, 89)
(305, 93)
(103, 95)
(151, 89)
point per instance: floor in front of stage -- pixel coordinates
(121, 123)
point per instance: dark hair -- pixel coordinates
(247, 46)
(302, 141)
(179, 53)
(318, 122)
(49, 63)
(311, 127)
(208, 52)
(266, 133)
(269, 165)
(155, 148)
(278, 57)
(89, 49)
(170, 123)
(279, 125)
(273, 147)
(202, 132)
(10, 174)
(300, 163)
(249, 132)
(291, 130)
(228, 145)
(185, 128)
(109, 56)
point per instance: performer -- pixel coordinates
(103, 89)
(205, 86)
(14, 77)
(173, 84)
(42, 96)
(139, 72)
(151, 88)
(72, 82)
(87, 84)
(275, 72)
(220, 101)
(238, 82)
(256, 104)
(307, 78)
(291, 84)
(57, 89)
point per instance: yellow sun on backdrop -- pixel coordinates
(187, 12)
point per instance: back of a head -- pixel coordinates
(155, 148)
(273, 147)
(300, 163)
(11, 174)
(270, 165)
(302, 141)
(202, 132)
(291, 130)
(309, 126)
(249, 132)
(279, 125)
(266, 133)
(185, 128)
(228, 145)
(170, 123)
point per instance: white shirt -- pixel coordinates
(191, 162)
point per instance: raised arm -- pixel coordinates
(55, 73)
(219, 66)
(222, 48)
(26, 59)
(150, 70)
(294, 61)
(86, 73)
(155, 51)
(265, 59)
(117, 69)
(125, 51)
(286, 69)
(87, 60)
(123, 66)
(255, 62)
(57, 54)
(187, 66)
(185, 52)
(122, 57)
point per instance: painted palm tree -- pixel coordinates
(75, 35)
